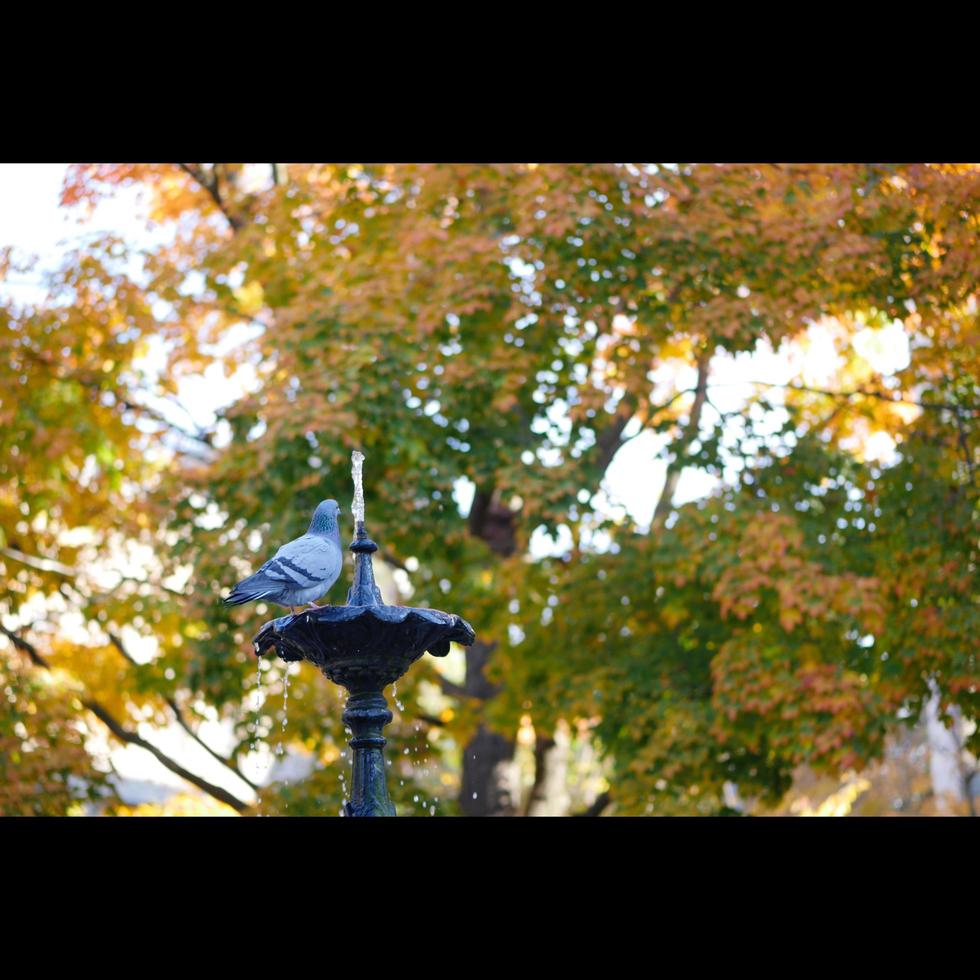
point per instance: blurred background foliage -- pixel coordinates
(799, 639)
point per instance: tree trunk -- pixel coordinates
(487, 788)
(487, 785)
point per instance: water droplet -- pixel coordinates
(285, 701)
(258, 702)
(474, 796)
(281, 748)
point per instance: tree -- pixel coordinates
(507, 329)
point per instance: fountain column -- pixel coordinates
(366, 714)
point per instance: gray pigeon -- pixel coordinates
(301, 570)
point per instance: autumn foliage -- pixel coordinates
(505, 329)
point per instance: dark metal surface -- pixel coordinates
(363, 592)
(364, 646)
(366, 715)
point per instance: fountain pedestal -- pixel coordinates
(364, 646)
(366, 714)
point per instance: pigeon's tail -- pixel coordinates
(250, 589)
(237, 598)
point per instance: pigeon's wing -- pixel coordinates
(308, 561)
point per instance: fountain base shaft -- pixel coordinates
(366, 714)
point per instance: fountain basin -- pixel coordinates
(363, 647)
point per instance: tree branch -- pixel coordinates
(389, 559)
(608, 442)
(542, 744)
(96, 385)
(676, 466)
(965, 446)
(448, 687)
(21, 644)
(55, 567)
(128, 737)
(859, 393)
(599, 804)
(39, 564)
(131, 738)
(611, 441)
(198, 175)
(182, 720)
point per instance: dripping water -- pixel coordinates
(341, 775)
(285, 703)
(280, 748)
(258, 702)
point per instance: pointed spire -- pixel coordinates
(363, 592)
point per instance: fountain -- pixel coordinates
(364, 646)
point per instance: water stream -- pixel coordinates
(281, 747)
(258, 704)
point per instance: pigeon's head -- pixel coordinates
(325, 517)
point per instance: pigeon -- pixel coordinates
(301, 570)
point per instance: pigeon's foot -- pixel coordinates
(312, 605)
